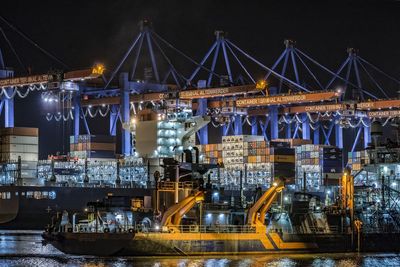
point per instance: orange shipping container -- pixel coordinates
(283, 158)
(21, 131)
(102, 146)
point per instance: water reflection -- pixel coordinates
(27, 250)
(334, 260)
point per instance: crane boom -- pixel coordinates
(174, 214)
(77, 75)
(256, 214)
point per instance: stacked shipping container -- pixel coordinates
(245, 154)
(256, 159)
(282, 159)
(24, 143)
(240, 149)
(295, 142)
(358, 159)
(321, 164)
(92, 147)
(211, 153)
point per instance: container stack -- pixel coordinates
(247, 154)
(293, 142)
(321, 164)
(24, 143)
(332, 165)
(94, 147)
(211, 153)
(258, 166)
(283, 163)
(358, 159)
(238, 150)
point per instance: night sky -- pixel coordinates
(84, 32)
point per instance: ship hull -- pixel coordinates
(189, 244)
(90, 243)
(20, 211)
(193, 244)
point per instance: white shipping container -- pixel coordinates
(15, 139)
(31, 181)
(101, 159)
(19, 148)
(29, 165)
(24, 156)
(28, 173)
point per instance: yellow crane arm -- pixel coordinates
(268, 203)
(176, 219)
(171, 212)
(264, 203)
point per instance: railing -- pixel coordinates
(169, 186)
(210, 229)
(216, 206)
(90, 228)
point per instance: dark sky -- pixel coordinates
(84, 32)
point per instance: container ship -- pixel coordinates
(32, 189)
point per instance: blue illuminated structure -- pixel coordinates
(235, 123)
(123, 85)
(291, 55)
(219, 44)
(357, 91)
(6, 103)
(129, 84)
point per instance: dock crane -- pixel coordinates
(54, 80)
(256, 214)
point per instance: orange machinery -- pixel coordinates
(256, 214)
(173, 216)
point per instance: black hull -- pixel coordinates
(22, 213)
(91, 244)
(130, 245)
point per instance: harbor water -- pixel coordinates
(25, 249)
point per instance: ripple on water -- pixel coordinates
(28, 251)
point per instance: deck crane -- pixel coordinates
(256, 214)
(173, 216)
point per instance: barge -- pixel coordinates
(173, 235)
